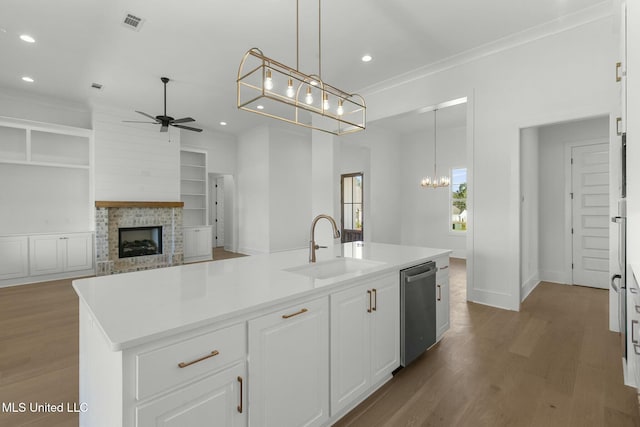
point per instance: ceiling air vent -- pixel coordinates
(132, 22)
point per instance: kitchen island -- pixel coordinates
(260, 340)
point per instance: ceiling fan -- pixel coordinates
(165, 121)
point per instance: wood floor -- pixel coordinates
(552, 364)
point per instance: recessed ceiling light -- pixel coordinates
(27, 38)
(223, 123)
(367, 58)
(28, 79)
(260, 107)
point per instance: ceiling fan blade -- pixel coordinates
(183, 120)
(164, 128)
(147, 115)
(187, 128)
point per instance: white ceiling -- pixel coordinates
(199, 45)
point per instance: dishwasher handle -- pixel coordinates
(421, 276)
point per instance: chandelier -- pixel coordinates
(434, 181)
(270, 88)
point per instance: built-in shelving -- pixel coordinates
(193, 187)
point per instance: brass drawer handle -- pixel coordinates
(375, 300)
(443, 268)
(618, 122)
(618, 66)
(439, 293)
(369, 308)
(240, 405)
(286, 316)
(184, 365)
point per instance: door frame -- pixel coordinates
(568, 205)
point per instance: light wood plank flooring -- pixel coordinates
(553, 363)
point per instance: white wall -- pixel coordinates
(42, 109)
(563, 76)
(289, 189)
(633, 135)
(134, 162)
(529, 211)
(253, 191)
(425, 215)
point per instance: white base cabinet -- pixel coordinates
(197, 244)
(365, 338)
(14, 252)
(442, 297)
(59, 253)
(289, 366)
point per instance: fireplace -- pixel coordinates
(139, 241)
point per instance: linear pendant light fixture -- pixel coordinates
(270, 88)
(435, 182)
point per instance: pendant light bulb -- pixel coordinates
(309, 98)
(268, 81)
(340, 109)
(325, 102)
(290, 91)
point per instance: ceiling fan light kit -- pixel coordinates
(285, 93)
(164, 120)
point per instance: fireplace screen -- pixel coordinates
(139, 241)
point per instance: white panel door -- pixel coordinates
(219, 224)
(14, 253)
(47, 254)
(350, 346)
(289, 366)
(385, 329)
(590, 215)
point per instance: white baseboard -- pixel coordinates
(554, 276)
(529, 285)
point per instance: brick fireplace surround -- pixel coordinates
(111, 215)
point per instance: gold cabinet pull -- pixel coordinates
(439, 292)
(185, 364)
(618, 122)
(240, 405)
(286, 316)
(375, 300)
(369, 308)
(618, 66)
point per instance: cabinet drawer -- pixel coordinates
(160, 369)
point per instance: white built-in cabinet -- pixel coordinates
(193, 193)
(442, 297)
(60, 253)
(289, 366)
(197, 243)
(14, 253)
(365, 340)
(45, 236)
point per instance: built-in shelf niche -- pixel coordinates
(193, 187)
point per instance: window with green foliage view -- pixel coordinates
(458, 199)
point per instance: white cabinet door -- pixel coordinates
(442, 305)
(289, 366)
(14, 253)
(218, 400)
(385, 329)
(197, 243)
(78, 252)
(365, 338)
(350, 346)
(46, 254)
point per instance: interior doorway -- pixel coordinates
(222, 211)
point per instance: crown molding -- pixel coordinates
(585, 16)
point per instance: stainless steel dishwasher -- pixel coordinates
(417, 310)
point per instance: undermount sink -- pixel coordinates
(335, 267)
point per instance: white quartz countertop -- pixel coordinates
(135, 308)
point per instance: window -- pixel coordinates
(458, 200)
(352, 202)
